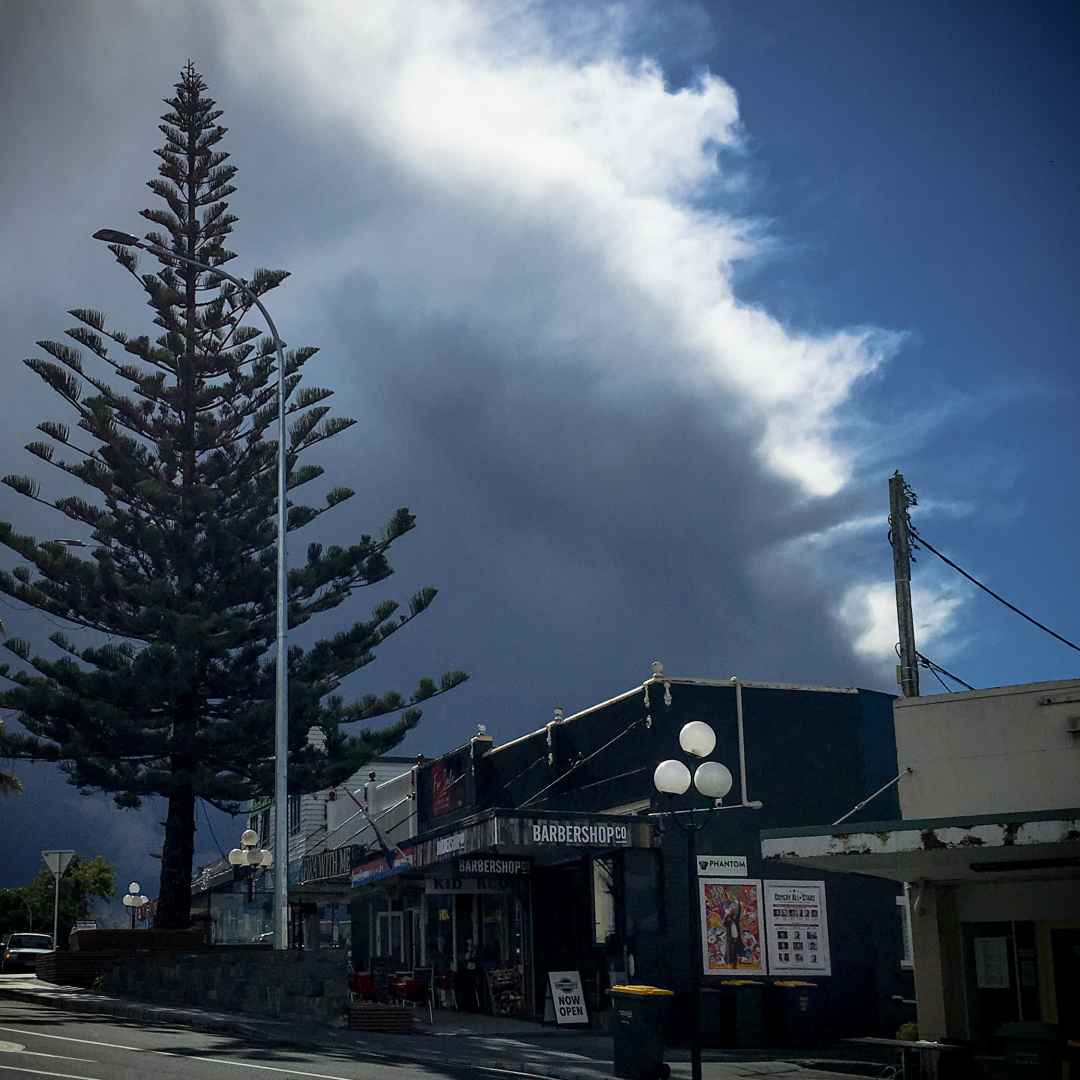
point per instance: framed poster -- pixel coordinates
(798, 926)
(992, 963)
(731, 937)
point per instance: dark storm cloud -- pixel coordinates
(605, 453)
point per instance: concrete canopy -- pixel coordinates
(1003, 847)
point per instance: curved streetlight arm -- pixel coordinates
(281, 697)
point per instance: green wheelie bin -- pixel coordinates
(639, 1018)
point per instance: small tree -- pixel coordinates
(30, 907)
(178, 700)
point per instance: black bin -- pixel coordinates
(639, 1017)
(1032, 1050)
(732, 1014)
(793, 1013)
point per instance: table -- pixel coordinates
(920, 1057)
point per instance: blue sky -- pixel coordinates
(638, 307)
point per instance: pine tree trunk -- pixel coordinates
(177, 855)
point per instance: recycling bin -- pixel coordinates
(793, 1013)
(640, 1017)
(1032, 1050)
(732, 1014)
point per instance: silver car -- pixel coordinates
(21, 951)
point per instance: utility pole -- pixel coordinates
(900, 498)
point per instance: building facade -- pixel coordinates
(987, 845)
(546, 854)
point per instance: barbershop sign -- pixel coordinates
(581, 834)
(335, 863)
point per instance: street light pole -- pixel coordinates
(714, 781)
(281, 696)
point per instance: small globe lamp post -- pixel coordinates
(249, 855)
(134, 900)
(713, 780)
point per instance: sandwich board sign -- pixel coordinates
(565, 1000)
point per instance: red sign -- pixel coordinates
(447, 785)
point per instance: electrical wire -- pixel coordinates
(210, 826)
(578, 764)
(935, 668)
(985, 588)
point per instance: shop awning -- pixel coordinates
(1037, 844)
(541, 838)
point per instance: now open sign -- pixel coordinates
(567, 997)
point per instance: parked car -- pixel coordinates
(21, 951)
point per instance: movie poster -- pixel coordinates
(798, 928)
(732, 938)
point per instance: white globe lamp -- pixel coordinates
(712, 779)
(697, 738)
(672, 778)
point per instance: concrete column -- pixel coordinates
(936, 945)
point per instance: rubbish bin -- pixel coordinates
(1032, 1050)
(735, 1013)
(793, 1013)
(640, 1016)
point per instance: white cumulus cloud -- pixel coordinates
(538, 183)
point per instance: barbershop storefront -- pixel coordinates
(495, 902)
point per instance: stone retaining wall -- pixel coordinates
(294, 984)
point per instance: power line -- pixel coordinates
(1012, 607)
(935, 668)
(210, 826)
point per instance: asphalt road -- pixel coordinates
(38, 1041)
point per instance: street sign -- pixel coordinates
(58, 861)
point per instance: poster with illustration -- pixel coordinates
(731, 939)
(798, 928)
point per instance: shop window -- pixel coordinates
(641, 887)
(604, 926)
(907, 954)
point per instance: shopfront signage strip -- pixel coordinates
(499, 865)
(722, 866)
(579, 834)
(449, 845)
(338, 862)
(463, 886)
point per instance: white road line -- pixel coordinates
(271, 1068)
(61, 1057)
(41, 1072)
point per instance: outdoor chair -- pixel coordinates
(444, 989)
(417, 989)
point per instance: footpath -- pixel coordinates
(455, 1039)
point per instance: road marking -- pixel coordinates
(41, 1072)
(390, 1064)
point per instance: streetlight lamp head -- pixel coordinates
(672, 778)
(266, 858)
(237, 857)
(134, 888)
(115, 236)
(249, 838)
(712, 779)
(697, 738)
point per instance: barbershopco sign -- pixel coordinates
(581, 834)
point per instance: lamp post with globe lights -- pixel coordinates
(249, 855)
(713, 780)
(134, 900)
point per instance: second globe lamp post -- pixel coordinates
(712, 780)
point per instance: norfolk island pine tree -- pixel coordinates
(178, 700)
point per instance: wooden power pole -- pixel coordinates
(900, 498)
